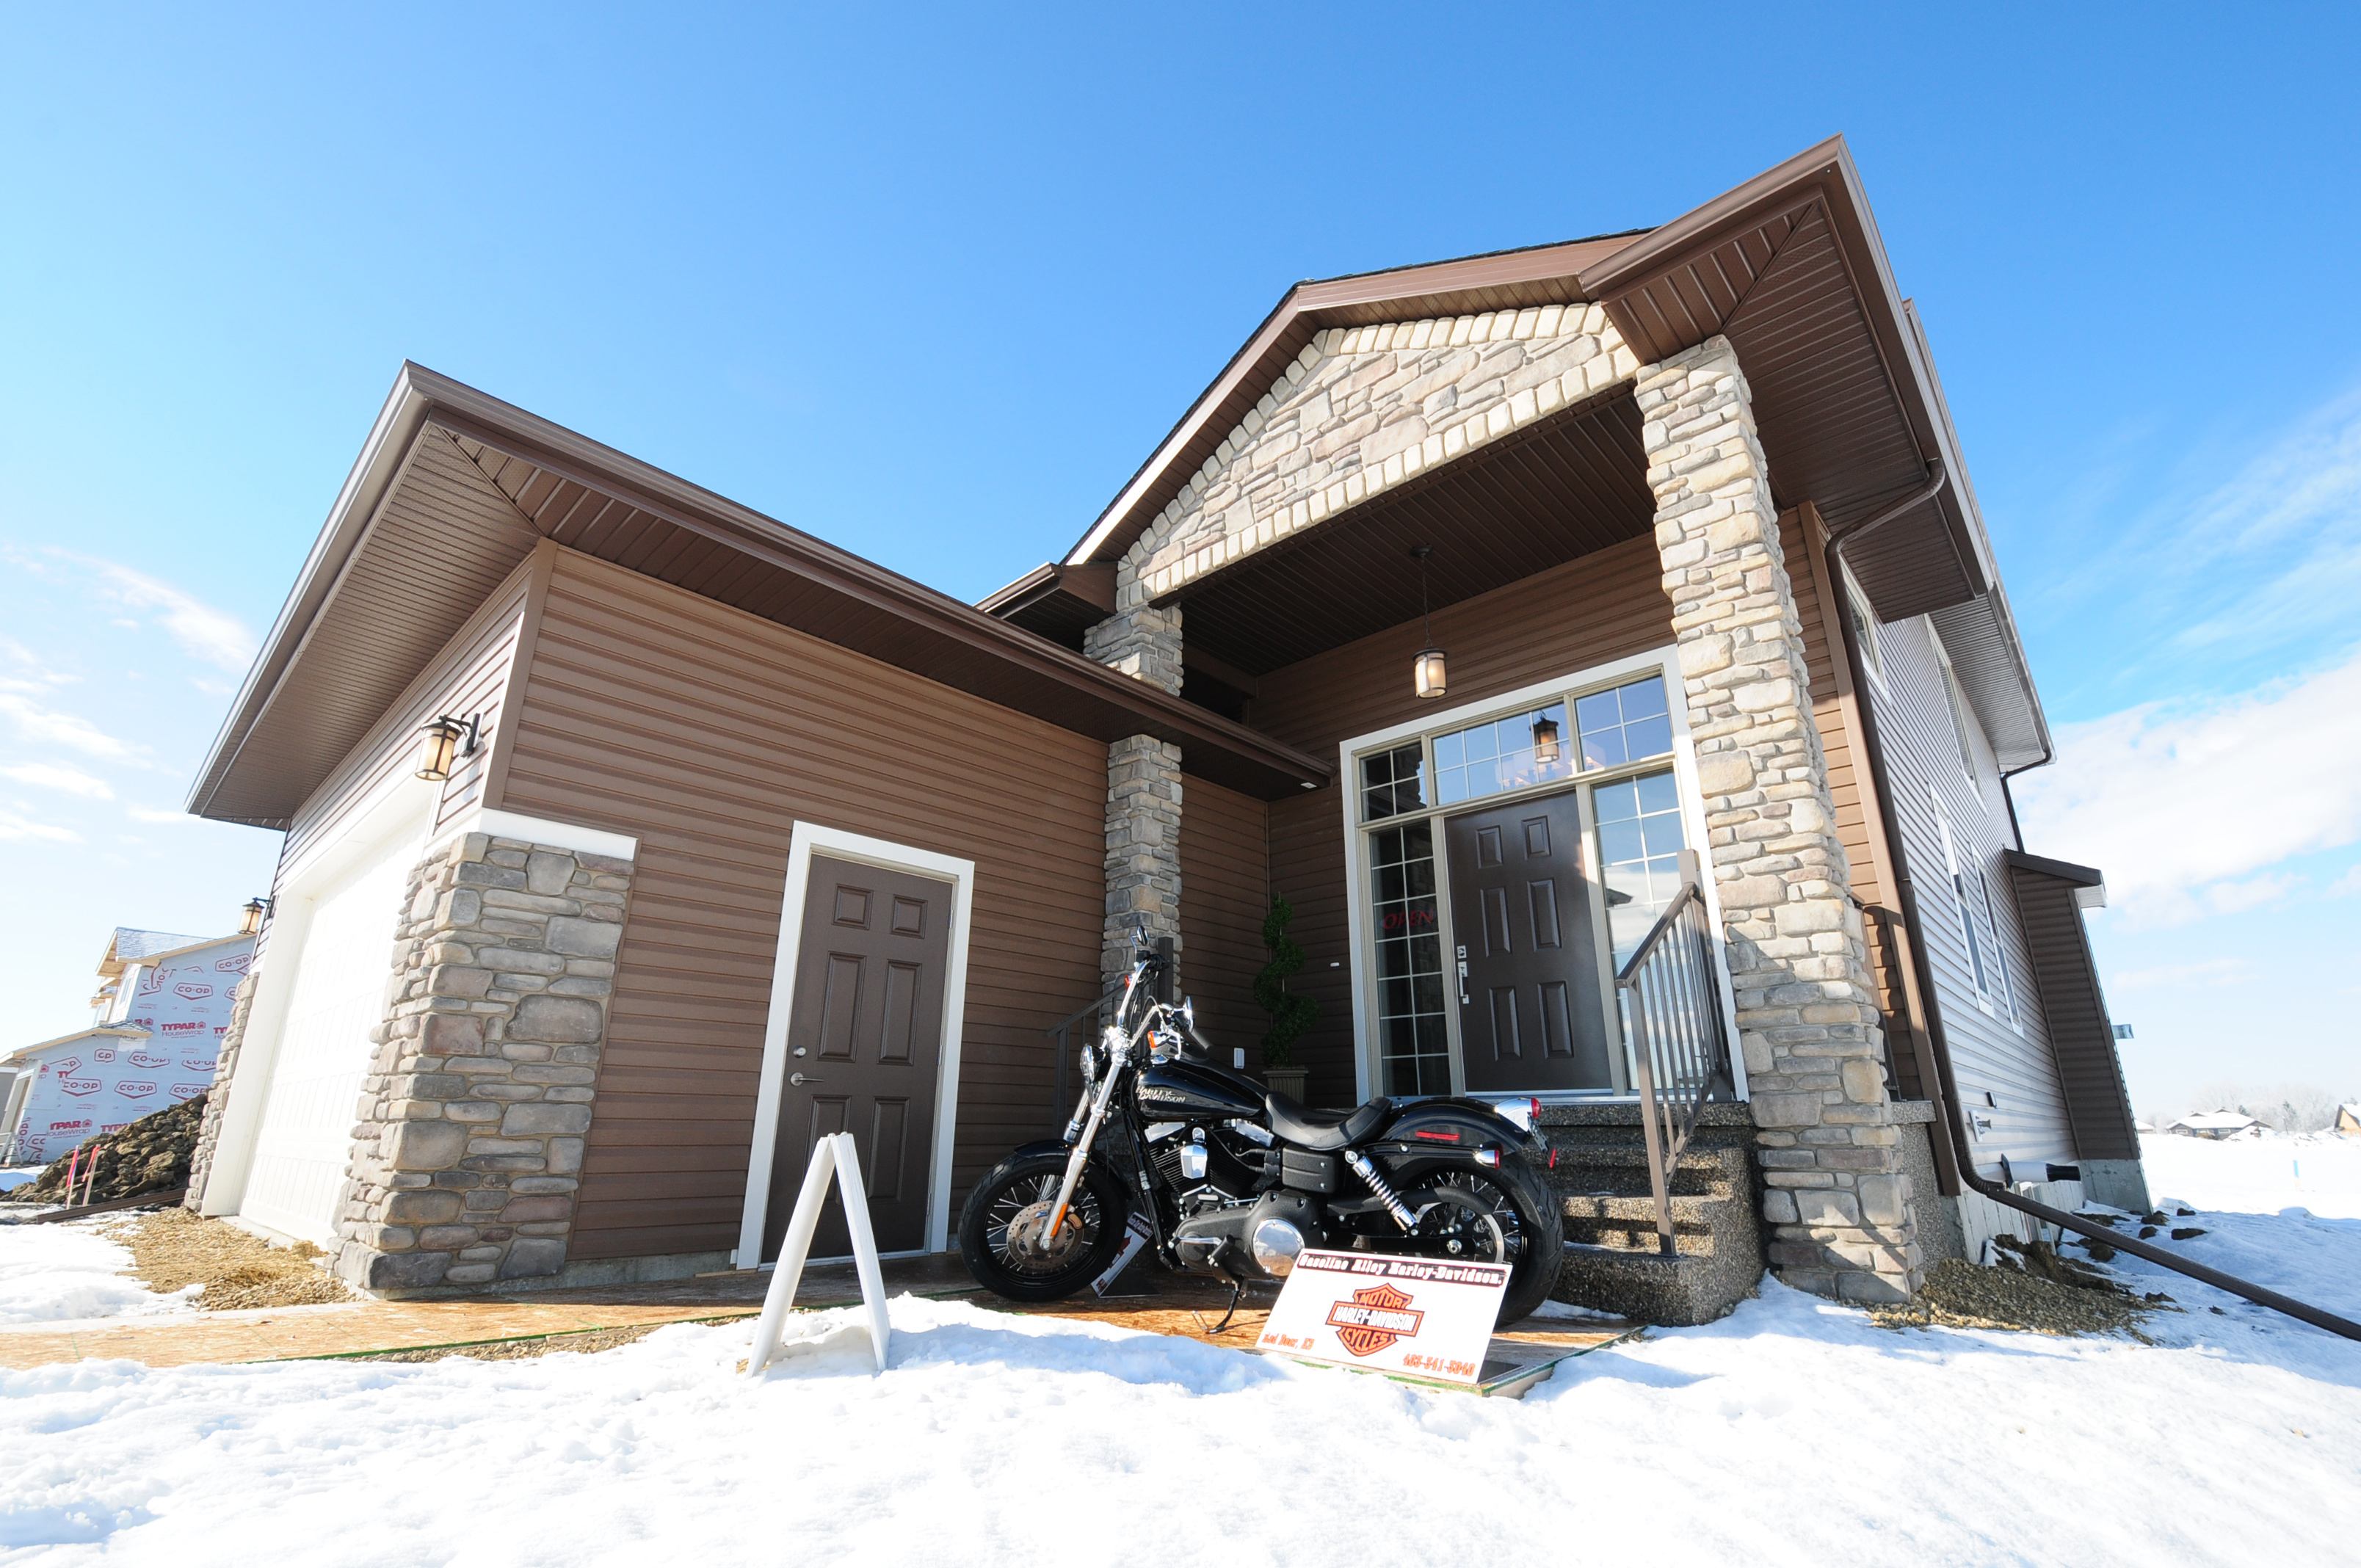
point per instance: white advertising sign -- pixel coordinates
(1424, 1317)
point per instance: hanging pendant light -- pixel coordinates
(1430, 676)
(1546, 750)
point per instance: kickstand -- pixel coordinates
(1236, 1292)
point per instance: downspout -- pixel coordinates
(1948, 1106)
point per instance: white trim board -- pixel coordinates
(1664, 660)
(838, 844)
(538, 830)
(403, 810)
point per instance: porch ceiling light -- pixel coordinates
(445, 738)
(1545, 750)
(1430, 676)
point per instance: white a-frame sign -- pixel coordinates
(833, 1155)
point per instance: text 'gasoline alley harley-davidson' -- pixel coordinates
(1234, 1182)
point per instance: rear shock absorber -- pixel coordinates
(1381, 1187)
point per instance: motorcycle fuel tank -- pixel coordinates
(1174, 1089)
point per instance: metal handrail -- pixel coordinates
(1671, 1002)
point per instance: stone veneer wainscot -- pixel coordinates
(473, 1116)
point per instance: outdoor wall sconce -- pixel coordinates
(255, 908)
(447, 738)
(1430, 676)
(1545, 751)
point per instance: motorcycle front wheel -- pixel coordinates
(1001, 1228)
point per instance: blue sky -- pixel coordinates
(931, 284)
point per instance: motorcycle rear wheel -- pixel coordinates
(1528, 1215)
(993, 1245)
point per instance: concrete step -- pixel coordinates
(1676, 1292)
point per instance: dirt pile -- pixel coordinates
(173, 1249)
(2031, 1288)
(151, 1155)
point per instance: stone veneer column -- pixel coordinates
(1143, 799)
(1838, 1199)
(469, 1148)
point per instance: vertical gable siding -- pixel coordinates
(2014, 1064)
(1608, 605)
(2076, 1011)
(1224, 893)
(469, 676)
(706, 733)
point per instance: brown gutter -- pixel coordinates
(1947, 1103)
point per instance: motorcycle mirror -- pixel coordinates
(1189, 1011)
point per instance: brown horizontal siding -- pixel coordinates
(469, 676)
(2076, 1010)
(1831, 684)
(2012, 1064)
(706, 733)
(1224, 893)
(1606, 606)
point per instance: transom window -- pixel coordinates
(1623, 724)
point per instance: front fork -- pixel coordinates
(1119, 1057)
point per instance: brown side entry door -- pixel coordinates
(1526, 959)
(864, 1043)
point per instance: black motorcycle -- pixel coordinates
(1232, 1181)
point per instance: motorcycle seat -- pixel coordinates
(1324, 1131)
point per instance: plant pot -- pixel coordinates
(1286, 1081)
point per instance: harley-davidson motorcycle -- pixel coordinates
(1232, 1182)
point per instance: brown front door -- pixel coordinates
(864, 1036)
(1526, 961)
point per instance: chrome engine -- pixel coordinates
(1226, 1219)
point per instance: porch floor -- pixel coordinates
(1188, 1309)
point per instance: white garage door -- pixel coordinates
(341, 972)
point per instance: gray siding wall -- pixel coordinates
(2013, 1062)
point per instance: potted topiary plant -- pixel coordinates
(1291, 1014)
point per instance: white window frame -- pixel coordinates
(1867, 632)
(1665, 660)
(1980, 966)
(770, 1091)
(1964, 729)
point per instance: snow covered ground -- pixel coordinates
(1792, 1431)
(49, 1273)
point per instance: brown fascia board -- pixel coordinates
(1428, 289)
(1093, 584)
(420, 396)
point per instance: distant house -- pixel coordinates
(160, 1011)
(2348, 1119)
(2215, 1125)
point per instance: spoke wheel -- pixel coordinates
(1000, 1230)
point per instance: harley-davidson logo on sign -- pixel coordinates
(1422, 1317)
(1374, 1318)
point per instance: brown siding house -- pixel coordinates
(742, 840)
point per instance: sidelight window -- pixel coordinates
(1639, 844)
(1412, 1028)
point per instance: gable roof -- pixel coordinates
(129, 944)
(1790, 267)
(26, 1054)
(454, 487)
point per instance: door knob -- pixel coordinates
(801, 1079)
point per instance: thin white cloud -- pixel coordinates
(17, 828)
(2187, 807)
(2348, 885)
(2209, 974)
(59, 777)
(150, 814)
(204, 632)
(2270, 559)
(32, 673)
(49, 727)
